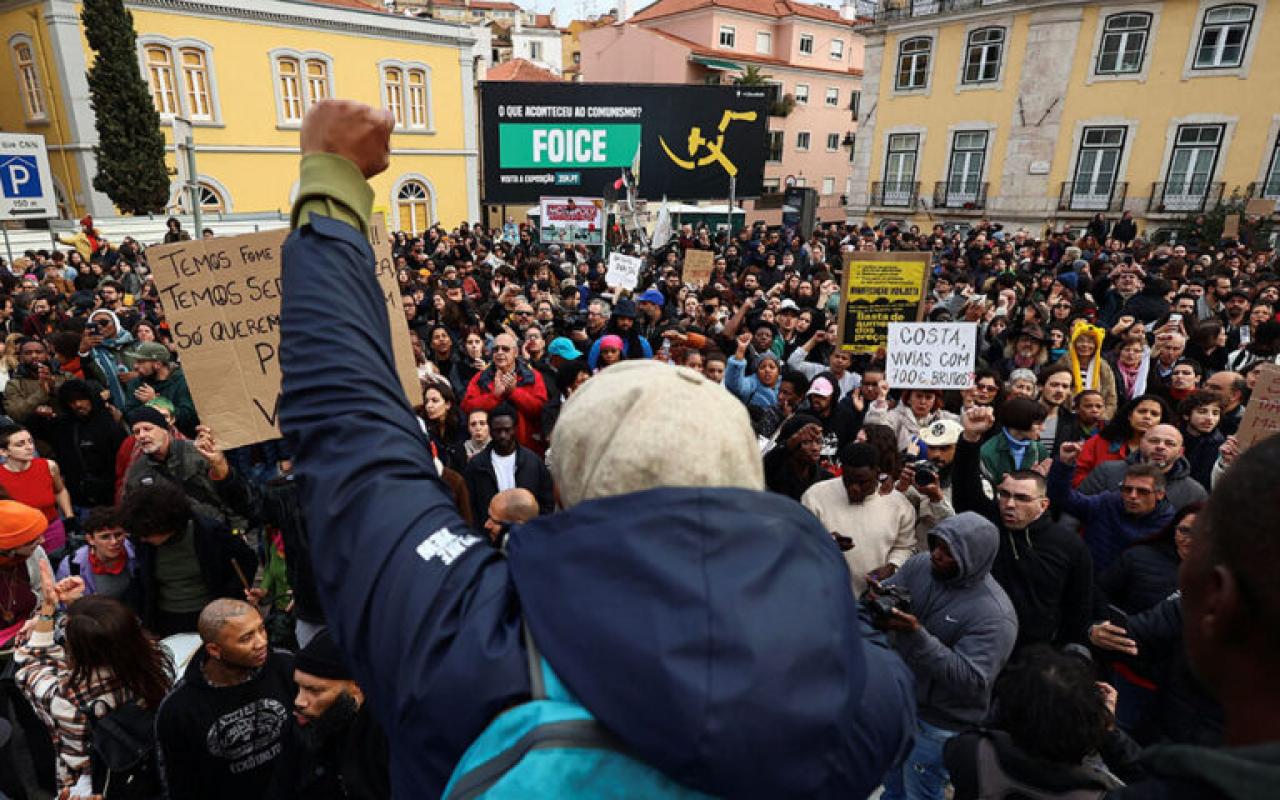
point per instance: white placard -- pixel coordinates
(931, 355)
(624, 271)
(26, 182)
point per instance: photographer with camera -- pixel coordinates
(955, 628)
(927, 483)
(1044, 567)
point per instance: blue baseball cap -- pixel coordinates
(652, 296)
(563, 347)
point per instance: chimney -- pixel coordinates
(624, 10)
(848, 10)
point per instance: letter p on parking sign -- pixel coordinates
(26, 184)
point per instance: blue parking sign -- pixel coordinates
(19, 176)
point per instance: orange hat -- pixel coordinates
(19, 524)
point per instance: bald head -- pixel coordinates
(1230, 387)
(1162, 446)
(217, 614)
(510, 507)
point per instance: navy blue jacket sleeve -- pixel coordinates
(425, 611)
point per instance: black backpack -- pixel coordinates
(122, 753)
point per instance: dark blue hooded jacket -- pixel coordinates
(712, 630)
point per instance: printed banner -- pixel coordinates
(880, 288)
(571, 220)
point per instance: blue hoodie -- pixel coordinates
(713, 631)
(1108, 528)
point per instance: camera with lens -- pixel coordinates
(882, 600)
(926, 472)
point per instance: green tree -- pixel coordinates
(1204, 230)
(130, 149)
(752, 76)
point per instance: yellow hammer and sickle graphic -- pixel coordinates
(715, 149)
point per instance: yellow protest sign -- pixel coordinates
(879, 288)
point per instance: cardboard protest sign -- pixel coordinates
(931, 355)
(1260, 207)
(1262, 415)
(385, 264)
(222, 297)
(1231, 227)
(623, 272)
(698, 265)
(880, 288)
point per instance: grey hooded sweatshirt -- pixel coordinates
(969, 625)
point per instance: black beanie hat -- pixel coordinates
(148, 414)
(322, 658)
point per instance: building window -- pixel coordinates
(195, 83)
(802, 94)
(802, 141)
(727, 36)
(1223, 36)
(770, 185)
(1195, 154)
(828, 186)
(900, 169)
(837, 48)
(535, 51)
(764, 43)
(211, 200)
(290, 90)
(855, 102)
(1097, 167)
(806, 44)
(417, 101)
(24, 61)
(982, 59)
(773, 143)
(964, 174)
(413, 201)
(832, 98)
(913, 63)
(160, 76)
(833, 142)
(317, 80)
(393, 91)
(1271, 187)
(1124, 43)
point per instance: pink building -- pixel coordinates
(810, 53)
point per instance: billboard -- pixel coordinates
(574, 139)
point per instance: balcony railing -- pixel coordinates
(1092, 196)
(1184, 198)
(894, 10)
(962, 196)
(895, 194)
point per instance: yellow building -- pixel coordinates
(1035, 110)
(244, 73)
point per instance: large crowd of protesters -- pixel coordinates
(1016, 544)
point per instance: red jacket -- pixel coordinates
(1096, 451)
(528, 397)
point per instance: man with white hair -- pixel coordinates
(699, 619)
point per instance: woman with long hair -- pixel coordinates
(106, 661)
(469, 359)
(444, 424)
(1122, 435)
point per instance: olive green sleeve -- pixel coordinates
(332, 186)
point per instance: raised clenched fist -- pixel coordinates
(357, 132)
